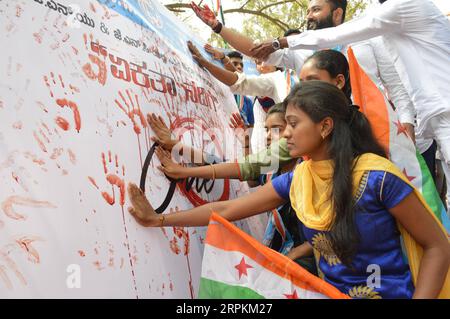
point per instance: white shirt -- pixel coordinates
(417, 36)
(274, 85)
(373, 57)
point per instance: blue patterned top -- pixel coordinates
(379, 252)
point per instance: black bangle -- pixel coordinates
(218, 27)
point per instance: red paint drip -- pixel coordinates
(129, 253)
(48, 85)
(62, 123)
(92, 180)
(74, 107)
(115, 180)
(104, 163)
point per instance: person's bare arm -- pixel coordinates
(177, 171)
(434, 266)
(264, 199)
(302, 250)
(238, 41)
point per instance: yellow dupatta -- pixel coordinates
(310, 198)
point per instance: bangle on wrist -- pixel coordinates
(214, 172)
(161, 219)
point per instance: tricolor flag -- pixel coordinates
(235, 265)
(392, 135)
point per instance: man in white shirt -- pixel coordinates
(417, 36)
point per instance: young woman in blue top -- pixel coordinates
(356, 207)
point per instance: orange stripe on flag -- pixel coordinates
(372, 102)
(224, 235)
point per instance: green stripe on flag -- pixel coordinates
(429, 191)
(210, 289)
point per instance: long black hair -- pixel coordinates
(351, 136)
(335, 63)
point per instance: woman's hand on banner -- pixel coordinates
(205, 14)
(163, 135)
(168, 166)
(241, 130)
(141, 208)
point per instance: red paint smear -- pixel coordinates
(19, 11)
(18, 125)
(181, 233)
(65, 38)
(34, 158)
(37, 37)
(57, 153)
(98, 265)
(62, 123)
(72, 156)
(102, 73)
(40, 143)
(115, 180)
(53, 77)
(104, 163)
(174, 246)
(74, 88)
(48, 85)
(8, 209)
(81, 253)
(74, 107)
(15, 177)
(92, 7)
(61, 80)
(93, 183)
(108, 198)
(129, 253)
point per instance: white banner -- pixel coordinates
(76, 83)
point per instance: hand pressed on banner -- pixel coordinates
(168, 166)
(163, 134)
(198, 57)
(141, 208)
(205, 14)
(237, 123)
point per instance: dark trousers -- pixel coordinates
(430, 159)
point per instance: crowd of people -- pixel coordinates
(336, 203)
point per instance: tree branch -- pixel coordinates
(275, 4)
(277, 22)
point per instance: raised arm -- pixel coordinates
(236, 40)
(385, 19)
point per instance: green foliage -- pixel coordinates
(265, 19)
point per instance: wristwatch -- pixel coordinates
(276, 44)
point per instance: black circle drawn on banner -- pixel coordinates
(173, 183)
(188, 182)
